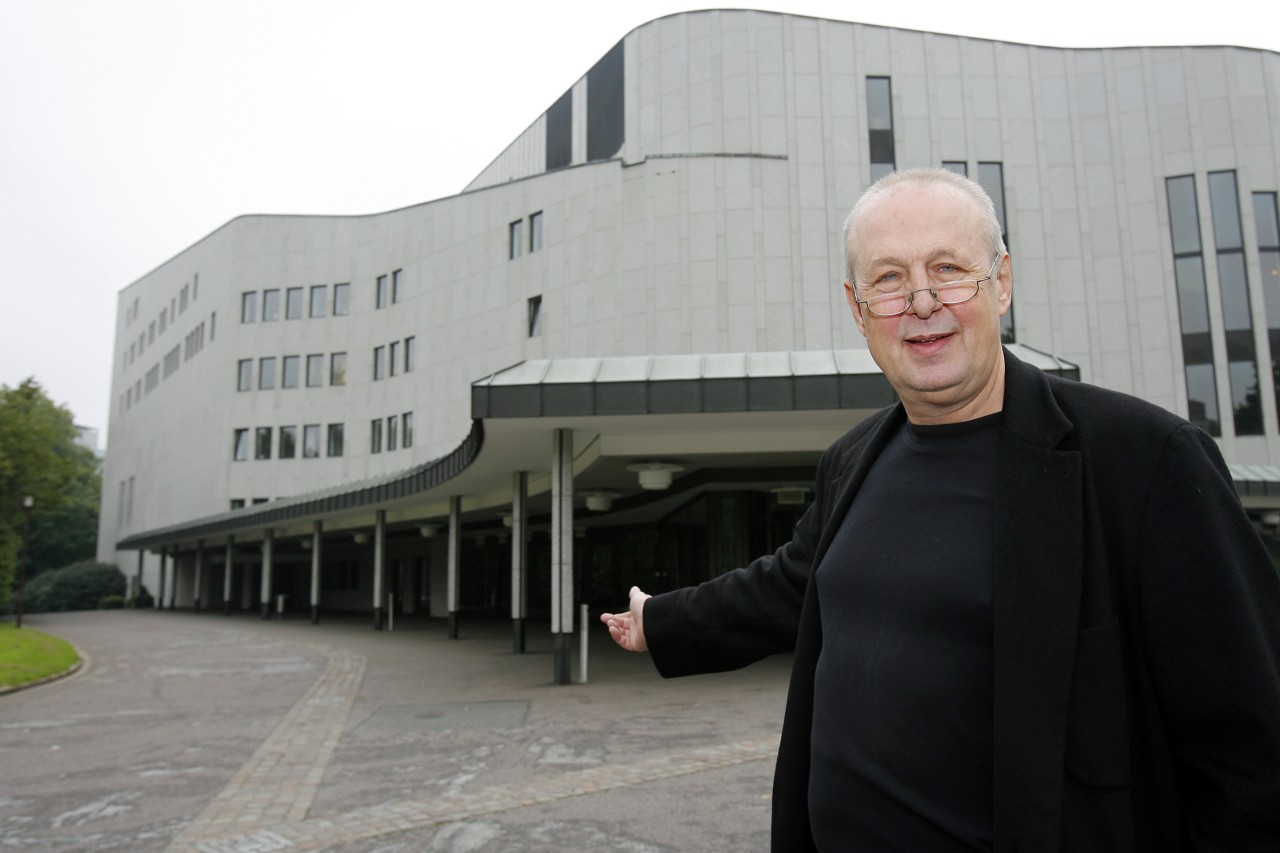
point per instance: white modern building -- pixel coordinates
(624, 345)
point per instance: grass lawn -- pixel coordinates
(28, 655)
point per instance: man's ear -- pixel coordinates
(1004, 285)
(856, 307)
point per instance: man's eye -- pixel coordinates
(889, 279)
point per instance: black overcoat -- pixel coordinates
(1136, 630)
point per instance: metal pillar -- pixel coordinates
(195, 601)
(226, 575)
(268, 560)
(455, 554)
(562, 553)
(316, 539)
(379, 559)
(137, 579)
(164, 567)
(519, 557)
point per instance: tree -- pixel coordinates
(38, 458)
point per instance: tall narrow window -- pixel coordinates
(515, 237)
(315, 370)
(880, 126)
(213, 325)
(379, 363)
(266, 373)
(1267, 223)
(248, 306)
(163, 320)
(406, 431)
(341, 300)
(289, 376)
(319, 299)
(380, 294)
(262, 443)
(1237, 318)
(244, 375)
(960, 167)
(338, 368)
(410, 348)
(288, 442)
(375, 435)
(240, 445)
(535, 316)
(393, 357)
(1193, 304)
(535, 231)
(311, 441)
(335, 439)
(270, 305)
(391, 433)
(293, 303)
(396, 292)
(991, 179)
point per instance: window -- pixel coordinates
(375, 435)
(237, 503)
(380, 294)
(288, 442)
(213, 325)
(606, 104)
(195, 287)
(991, 179)
(559, 140)
(396, 293)
(535, 316)
(1267, 224)
(240, 446)
(409, 357)
(341, 300)
(880, 126)
(182, 298)
(406, 429)
(379, 362)
(311, 441)
(391, 433)
(289, 376)
(1237, 318)
(319, 299)
(315, 371)
(335, 439)
(248, 306)
(1193, 304)
(535, 231)
(393, 357)
(960, 167)
(270, 305)
(151, 332)
(162, 320)
(338, 368)
(293, 303)
(244, 375)
(516, 239)
(262, 443)
(257, 501)
(266, 373)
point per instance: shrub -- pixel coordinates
(79, 586)
(111, 602)
(142, 601)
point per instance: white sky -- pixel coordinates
(129, 129)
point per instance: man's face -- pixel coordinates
(944, 360)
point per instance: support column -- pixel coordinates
(137, 579)
(268, 559)
(164, 567)
(226, 575)
(519, 555)
(173, 578)
(379, 560)
(562, 553)
(455, 554)
(195, 601)
(315, 572)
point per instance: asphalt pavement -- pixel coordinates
(202, 732)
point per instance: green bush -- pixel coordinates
(142, 601)
(111, 602)
(79, 586)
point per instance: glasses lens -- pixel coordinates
(888, 306)
(953, 292)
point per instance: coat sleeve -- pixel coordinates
(1210, 613)
(744, 615)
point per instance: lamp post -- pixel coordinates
(27, 503)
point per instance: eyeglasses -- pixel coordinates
(944, 290)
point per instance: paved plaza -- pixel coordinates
(200, 732)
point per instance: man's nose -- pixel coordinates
(923, 302)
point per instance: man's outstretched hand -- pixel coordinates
(627, 629)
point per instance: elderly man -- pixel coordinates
(1028, 614)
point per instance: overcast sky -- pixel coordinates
(129, 129)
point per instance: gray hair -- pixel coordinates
(925, 177)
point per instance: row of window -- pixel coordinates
(387, 290)
(291, 371)
(317, 303)
(515, 236)
(287, 445)
(387, 359)
(402, 424)
(167, 316)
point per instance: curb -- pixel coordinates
(71, 670)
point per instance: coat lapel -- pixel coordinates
(1039, 556)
